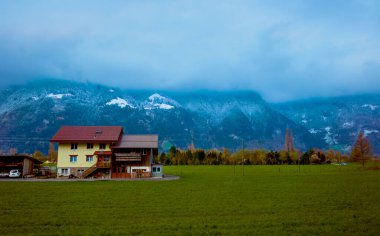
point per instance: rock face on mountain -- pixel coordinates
(31, 114)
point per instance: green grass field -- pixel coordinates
(280, 200)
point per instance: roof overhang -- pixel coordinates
(103, 153)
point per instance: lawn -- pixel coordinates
(285, 200)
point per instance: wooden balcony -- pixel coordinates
(103, 164)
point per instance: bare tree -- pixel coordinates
(13, 151)
(289, 140)
(362, 150)
(52, 154)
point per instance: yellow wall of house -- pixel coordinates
(64, 152)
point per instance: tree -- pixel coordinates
(289, 141)
(39, 156)
(294, 157)
(199, 155)
(52, 153)
(314, 159)
(13, 151)
(283, 156)
(226, 157)
(272, 158)
(362, 150)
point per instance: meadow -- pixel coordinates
(216, 200)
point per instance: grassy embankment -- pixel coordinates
(325, 200)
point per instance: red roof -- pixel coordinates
(89, 134)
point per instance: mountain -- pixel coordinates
(32, 113)
(337, 121)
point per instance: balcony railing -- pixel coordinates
(103, 164)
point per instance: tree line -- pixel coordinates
(361, 152)
(248, 157)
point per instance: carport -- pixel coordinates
(23, 162)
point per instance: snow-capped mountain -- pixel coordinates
(337, 121)
(31, 114)
(156, 101)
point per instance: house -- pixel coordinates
(22, 162)
(104, 152)
(133, 156)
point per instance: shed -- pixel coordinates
(22, 162)
(157, 170)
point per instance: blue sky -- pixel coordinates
(282, 49)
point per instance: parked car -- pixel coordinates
(4, 174)
(14, 174)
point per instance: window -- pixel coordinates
(90, 145)
(144, 151)
(158, 169)
(73, 159)
(154, 169)
(106, 158)
(74, 146)
(102, 146)
(89, 158)
(65, 171)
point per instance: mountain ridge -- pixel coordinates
(30, 114)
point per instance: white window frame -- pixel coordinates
(65, 171)
(74, 146)
(90, 146)
(89, 158)
(101, 146)
(72, 160)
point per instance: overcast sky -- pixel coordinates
(282, 49)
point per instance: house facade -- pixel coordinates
(104, 152)
(133, 156)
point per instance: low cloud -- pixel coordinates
(284, 50)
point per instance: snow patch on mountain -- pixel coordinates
(122, 103)
(372, 131)
(165, 106)
(314, 131)
(330, 138)
(156, 101)
(348, 125)
(234, 137)
(156, 96)
(158, 106)
(370, 106)
(58, 96)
